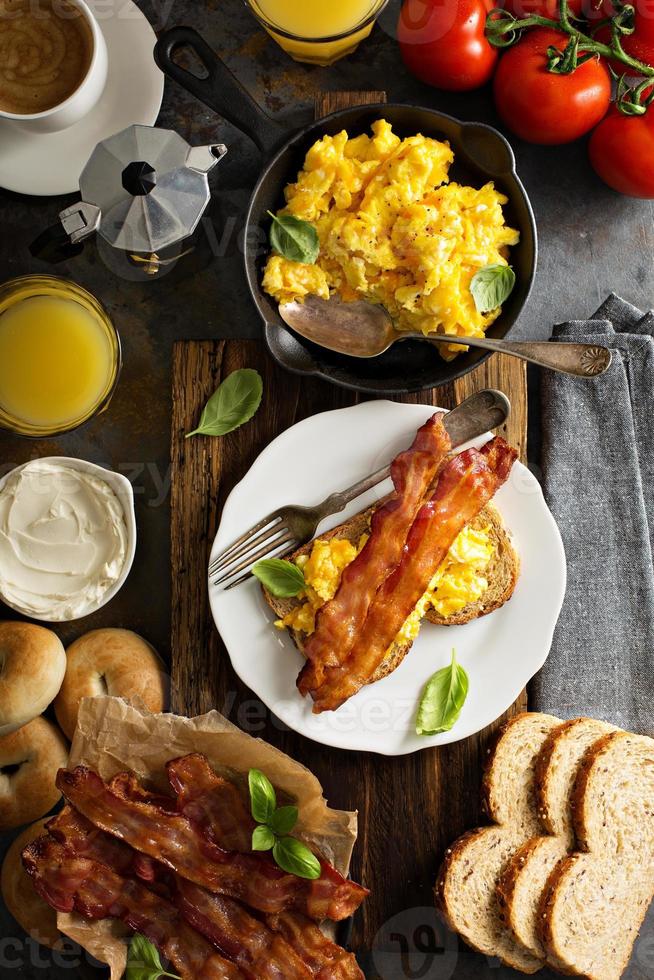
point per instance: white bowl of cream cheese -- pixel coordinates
(67, 537)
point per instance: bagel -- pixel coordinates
(29, 761)
(29, 910)
(110, 661)
(32, 667)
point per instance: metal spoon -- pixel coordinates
(365, 330)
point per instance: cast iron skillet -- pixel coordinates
(481, 154)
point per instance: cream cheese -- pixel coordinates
(63, 540)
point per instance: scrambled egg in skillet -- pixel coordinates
(458, 581)
(393, 230)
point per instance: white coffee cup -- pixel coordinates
(83, 99)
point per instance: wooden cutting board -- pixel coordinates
(410, 808)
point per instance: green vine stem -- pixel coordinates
(634, 101)
(503, 30)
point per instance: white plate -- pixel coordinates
(51, 163)
(501, 652)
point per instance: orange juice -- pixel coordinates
(320, 33)
(59, 355)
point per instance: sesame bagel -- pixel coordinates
(32, 668)
(29, 761)
(110, 661)
(29, 910)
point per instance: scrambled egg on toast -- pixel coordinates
(478, 576)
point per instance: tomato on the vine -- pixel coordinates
(541, 106)
(444, 43)
(621, 152)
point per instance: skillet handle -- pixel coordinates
(220, 90)
(488, 149)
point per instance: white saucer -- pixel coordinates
(51, 163)
(501, 652)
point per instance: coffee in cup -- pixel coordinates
(53, 63)
(46, 47)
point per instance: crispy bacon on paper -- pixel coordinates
(339, 621)
(71, 883)
(466, 484)
(213, 802)
(260, 950)
(176, 842)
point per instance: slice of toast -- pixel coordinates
(596, 899)
(466, 885)
(502, 574)
(521, 885)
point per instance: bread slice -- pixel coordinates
(520, 887)
(596, 899)
(467, 883)
(502, 574)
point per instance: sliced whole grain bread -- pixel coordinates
(557, 769)
(502, 574)
(596, 899)
(520, 887)
(466, 889)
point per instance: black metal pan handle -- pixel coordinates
(220, 90)
(488, 149)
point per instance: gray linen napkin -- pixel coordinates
(598, 479)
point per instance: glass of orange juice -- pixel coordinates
(59, 356)
(319, 33)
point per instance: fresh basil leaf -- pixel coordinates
(233, 403)
(262, 838)
(263, 801)
(294, 238)
(282, 578)
(442, 700)
(492, 286)
(143, 961)
(283, 820)
(295, 857)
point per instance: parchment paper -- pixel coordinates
(112, 736)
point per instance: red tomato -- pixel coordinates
(640, 44)
(621, 152)
(637, 45)
(542, 107)
(544, 8)
(443, 42)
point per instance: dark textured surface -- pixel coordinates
(591, 242)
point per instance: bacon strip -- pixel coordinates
(81, 838)
(259, 952)
(70, 883)
(326, 960)
(465, 485)
(176, 842)
(213, 803)
(339, 621)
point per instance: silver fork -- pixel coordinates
(288, 528)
